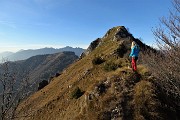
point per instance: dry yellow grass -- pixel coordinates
(54, 100)
(123, 91)
(145, 102)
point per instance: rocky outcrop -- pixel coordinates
(42, 84)
(123, 36)
(116, 33)
(91, 47)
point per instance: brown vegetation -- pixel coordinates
(165, 64)
(99, 94)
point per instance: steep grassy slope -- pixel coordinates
(108, 90)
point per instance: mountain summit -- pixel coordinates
(100, 86)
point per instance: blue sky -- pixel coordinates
(32, 24)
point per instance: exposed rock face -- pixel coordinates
(122, 32)
(92, 46)
(118, 33)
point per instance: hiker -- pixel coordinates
(134, 55)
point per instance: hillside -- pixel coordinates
(25, 54)
(100, 86)
(40, 67)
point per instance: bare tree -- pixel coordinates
(12, 91)
(7, 81)
(165, 65)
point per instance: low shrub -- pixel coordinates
(104, 115)
(42, 84)
(100, 88)
(77, 93)
(110, 66)
(121, 50)
(97, 61)
(136, 77)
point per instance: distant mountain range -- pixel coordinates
(5, 54)
(25, 54)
